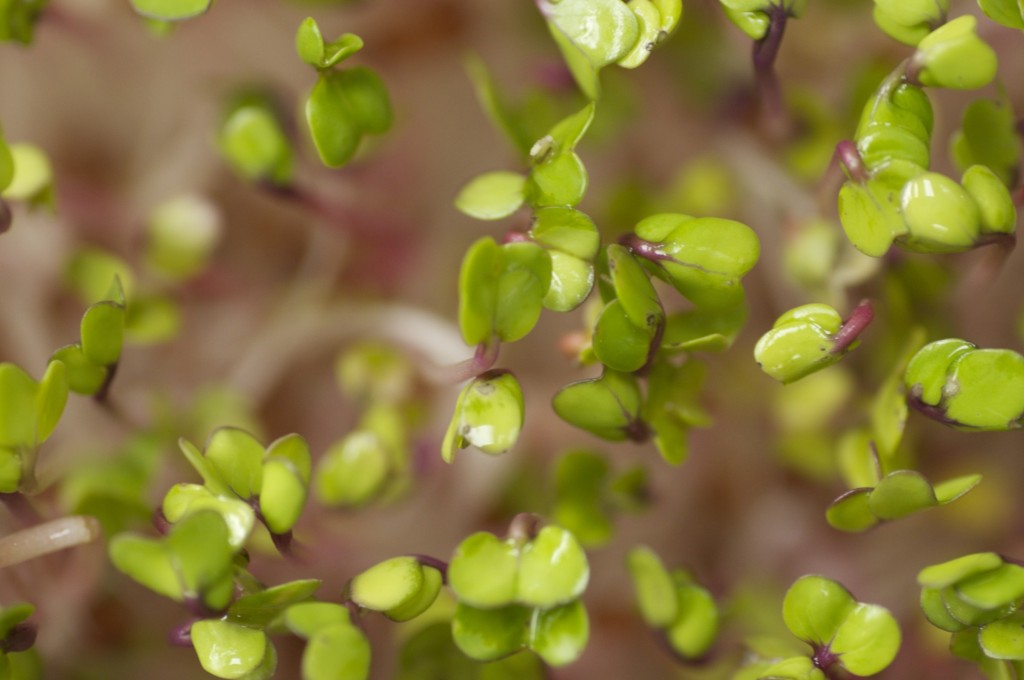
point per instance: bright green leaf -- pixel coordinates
(901, 493)
(852, 511)
(483, 572)
(553, 569)
(489, 634)
(103, 333)
(867, 640)
(238, 459)
(655, 590)
(696, 628)
(607, 406)
(339, 651)
(492, 196)
(171, 10)
(51, 398)
(261, 607)
(387, 585)
(559, 635)
(353, 471)
(815, 607)
(282, 494)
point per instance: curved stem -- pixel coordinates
(846, 153)
(344, 218)
(181, 636)
(299, 331)
(936, 413)
(46, 538)
(648, 250)
(851, 329)
(103, 393)
(765, 52)
(485, 356)
(440, 565)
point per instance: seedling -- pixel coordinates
(623, 236)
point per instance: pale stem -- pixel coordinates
(46, 538)
(524, 527)
(304, 330)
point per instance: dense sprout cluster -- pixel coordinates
(651, 291)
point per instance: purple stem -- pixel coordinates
(181, 636)
(283, 542)
(766, 50)
(103, 393)
(160, 521)
(825, 659)
(934, 412)
(646, 249)
(849, 156)
(484, 358)
(440, 565)
(5, 217)
(1005, 242)
(851, 329)
(638, 431)
(516, 236)
(198, 608)
(652, 351)
(1011, 560)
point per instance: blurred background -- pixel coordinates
(129, 119)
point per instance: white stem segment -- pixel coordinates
(47, 538)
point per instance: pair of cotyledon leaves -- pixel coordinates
(898, 198)
(595, 33)
(519, 594)
(672, 602)
(978, 596)
(967, 387)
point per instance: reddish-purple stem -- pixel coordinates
(652, 351)
(825, 659)
(849, 156)
(516, 236)
(440, 565)
(766, 50)
(648, 250)
(103, 393)
(936, 413)
(484, 358)
(851, 329)
(181, 636)
(5, 217)
(638, 431)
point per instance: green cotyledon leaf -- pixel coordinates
(171, 10)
